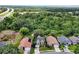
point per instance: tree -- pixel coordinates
(47, 31)
(24, 31)
(16, 14)
(38, 32)
(5, 24)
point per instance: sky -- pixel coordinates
(39, 2)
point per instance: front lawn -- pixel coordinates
(73, 47)
(46, 48)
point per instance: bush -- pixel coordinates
(24, 31)
(61, 46)
(72, 47)
(10, 49)
(77, 49)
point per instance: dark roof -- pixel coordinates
(39, 39)
(64, 40)
(74, 39)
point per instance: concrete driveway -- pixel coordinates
(56, 47)
(66, 49)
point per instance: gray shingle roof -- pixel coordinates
(64, 40)
(74, 39)
(40, 40)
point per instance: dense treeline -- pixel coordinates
(58, 23)
(2, 9)
(62, 9)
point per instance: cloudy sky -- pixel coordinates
(39, 2)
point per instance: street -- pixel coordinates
(8, 14)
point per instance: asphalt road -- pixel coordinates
(5, 11)
(2, 17)
(53, 52)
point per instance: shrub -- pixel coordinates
(72, 47)
(77, 50)
(61, 46)
(10, 49)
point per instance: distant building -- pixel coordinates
(64, 40)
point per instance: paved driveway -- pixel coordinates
(57, 49)
(66, 49)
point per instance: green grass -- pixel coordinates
(46, 48)
(61, 47)
(18, 39)
(72, 47)
(4, 14)
(32, 50)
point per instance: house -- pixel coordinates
(8, 35)
(40, 40)
(64, 40)
(25, 43)
(74, 40)
(51, 41)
